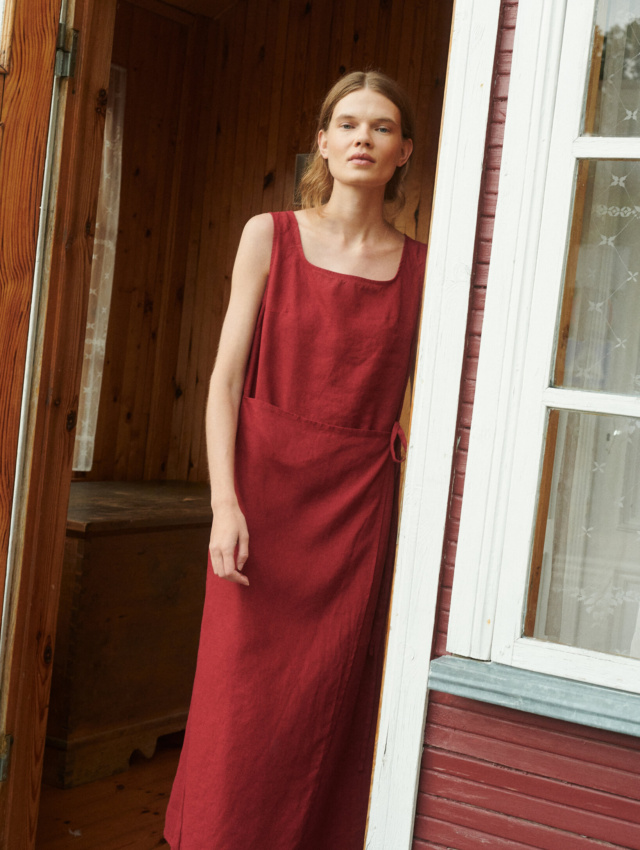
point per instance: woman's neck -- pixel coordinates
(357, 214)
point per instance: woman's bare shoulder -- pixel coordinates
(254, 250)
(260, 227)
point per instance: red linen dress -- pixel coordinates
(279, 744)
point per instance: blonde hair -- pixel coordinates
(316, 183)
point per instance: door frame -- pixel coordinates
(53, 403)
(427, 487)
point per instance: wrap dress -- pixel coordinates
(279, 743)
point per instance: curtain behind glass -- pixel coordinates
(102, 268)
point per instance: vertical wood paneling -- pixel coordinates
(163, 56)
(231, 131)
(278, 60)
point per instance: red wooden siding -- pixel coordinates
(501, 778)
(493, 777)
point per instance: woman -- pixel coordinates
(302, 436)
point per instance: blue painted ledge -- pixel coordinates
(537, 693)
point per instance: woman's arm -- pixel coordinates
(250, 272)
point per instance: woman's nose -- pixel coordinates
(364, 138)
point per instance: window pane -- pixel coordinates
(586, 575)
(599, 338)
(613, 99)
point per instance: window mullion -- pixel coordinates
(588, 401)
(606, 147)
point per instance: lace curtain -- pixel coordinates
(590, 585)
(102, 268)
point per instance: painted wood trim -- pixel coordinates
(537, 693)
(574, 663)
(538, 328)
(510, 288)
(606, 147)
(435, 407)
(592, 402)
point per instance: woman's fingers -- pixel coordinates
(229, 549)
(243, 548)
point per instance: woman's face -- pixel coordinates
(363, 144)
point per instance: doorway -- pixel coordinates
(217, 108)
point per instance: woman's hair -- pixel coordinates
(316, 183)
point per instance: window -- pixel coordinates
(548, 567)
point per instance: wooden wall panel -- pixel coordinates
(163, 55)
(277, 60)
(491, 776)
(245, 106)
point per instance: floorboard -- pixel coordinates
(123, 811)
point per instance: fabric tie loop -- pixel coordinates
(398, 432)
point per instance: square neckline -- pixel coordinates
(296, 228)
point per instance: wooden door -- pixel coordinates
(54, 391)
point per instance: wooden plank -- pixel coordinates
(184, 204)
(563, 817)
(200, 235)
(538, 761)
(615, 741)
(211, 297)
(158, 176)
(24, 118)
(464, 836)
(62, 354)
(271, 174)
(576, 798)
(519, 832)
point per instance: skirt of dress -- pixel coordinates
(279, 742)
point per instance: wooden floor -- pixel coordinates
(124, 811)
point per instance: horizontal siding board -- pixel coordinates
(596, 747)
(544, 811)
(535, 761)
(538, 787)
(505, 831)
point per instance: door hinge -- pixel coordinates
(5, 756)
(66, 57)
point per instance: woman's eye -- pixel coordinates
(346, 126)
(383, 130)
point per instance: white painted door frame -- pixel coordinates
(433, 423)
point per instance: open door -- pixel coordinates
(51, 395)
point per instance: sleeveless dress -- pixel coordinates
(279, 743)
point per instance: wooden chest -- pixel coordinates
(131, 602)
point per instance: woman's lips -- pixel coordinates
(361, 158)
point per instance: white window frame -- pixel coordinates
(513, 394)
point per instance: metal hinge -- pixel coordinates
(5, 756)
(66, 59)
